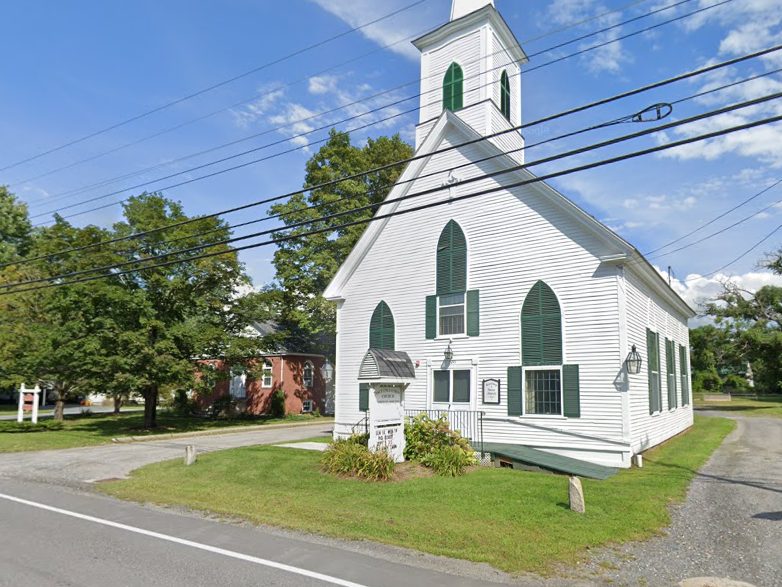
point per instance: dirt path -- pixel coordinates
(730, 525)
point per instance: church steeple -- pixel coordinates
(461, 8)
(472, 67)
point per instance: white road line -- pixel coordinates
(190, 543)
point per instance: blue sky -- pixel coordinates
(70, 69)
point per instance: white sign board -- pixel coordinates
(387, 419)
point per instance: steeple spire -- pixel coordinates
(462, 8)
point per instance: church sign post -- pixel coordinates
(388, 373)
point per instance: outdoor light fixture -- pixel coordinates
(633, 362)
(448, 354)
(327, 371)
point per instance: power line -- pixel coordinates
(331, 183)
(425, 192)
(222, 160)
(586, 167)
(282, 87)
(214, 86)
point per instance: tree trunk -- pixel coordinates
(59, 409)
(150, 407)
(117, 403)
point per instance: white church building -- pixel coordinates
(518, 309)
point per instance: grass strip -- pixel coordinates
(515, 521)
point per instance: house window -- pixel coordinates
(505, 95)
(453, 88)
(451, 387)
(684, 377)
(543, 391)
(541, 328)
(452, 314)
(308, 377)
(307, 406)
(238, 388)
(381, 328)
(267, 374)
(653, 365)
(670, 365)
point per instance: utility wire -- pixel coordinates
(331, 183)
(586, 167)
(351, 118)
(214, 86)
(430, 191)
(284, 86)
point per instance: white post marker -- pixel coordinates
(22, 393)
(36, 395)
(25, 406)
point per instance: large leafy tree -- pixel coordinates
(15, 227)
(753, 323)
(132, 333)
(305, 266)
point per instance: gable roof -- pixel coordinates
(625, 253)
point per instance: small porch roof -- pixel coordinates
(384, 364)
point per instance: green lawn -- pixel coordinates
(766, 406)
(512, 520)
(100, 429)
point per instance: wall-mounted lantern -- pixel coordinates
(448, 354)
(633, 362)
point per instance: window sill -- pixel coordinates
(542, 417)
(452, 337)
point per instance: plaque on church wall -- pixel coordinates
(491, 391)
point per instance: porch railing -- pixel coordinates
(469, 423)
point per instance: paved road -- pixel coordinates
(77, 467)
(729, 526)
(48, 411)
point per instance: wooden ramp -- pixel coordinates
(524, 457)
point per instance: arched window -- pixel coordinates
(451, 260)
(453, 88)
(541, 346)
(308, 376)
(541, 328)
(267, 374)
(381, 328)
(238, 386)
(505, 95)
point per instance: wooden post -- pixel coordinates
(22, 393)
(36, 395)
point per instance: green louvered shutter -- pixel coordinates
(363, 397)
(505, 95)
(653, 364)
(453, 88)
(684, 377)
(431, 317)
(381, 328)
(473, 313)
(514, 391)
(670, 366)
(451, 260)
(571, 391)
(541, 328)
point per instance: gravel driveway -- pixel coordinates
(730, 525)
(77, 467)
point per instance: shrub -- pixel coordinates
(224, 406)
(704, 381)
(350, 456)
(735, 383)
(25, 427)
(435, 445)
(449, 461)
(278, 404)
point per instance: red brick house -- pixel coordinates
(297, 374)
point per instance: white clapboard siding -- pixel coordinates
(647, 309)
(514, 239)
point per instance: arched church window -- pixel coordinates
(505, 95)
(453, 88)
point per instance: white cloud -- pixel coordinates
(268, 97)
(322, 84)
(697, 290)
(394, 30)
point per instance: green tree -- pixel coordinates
(754, 320)
(304, 267)
(15, 227)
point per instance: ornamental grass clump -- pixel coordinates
(433, 444)
(351, 457)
